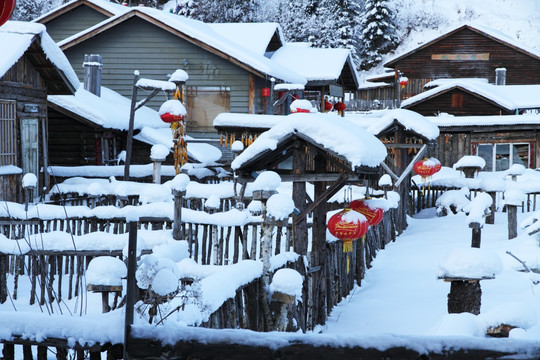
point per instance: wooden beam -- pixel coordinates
(403, 146)
(310, 178)
(389, 171)
(329, 192)
(409, 167)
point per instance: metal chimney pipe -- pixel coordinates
(92, 73)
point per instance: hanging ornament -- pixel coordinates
(6, 9)
(403, 81)
(340, 107)
(426, 168)
(327, 106)
(348, 225)
(373, 214)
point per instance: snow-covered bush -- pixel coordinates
(452, 200)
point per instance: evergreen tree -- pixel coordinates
(27, 10)
(212, 11)
(294, 20)
(379, 34)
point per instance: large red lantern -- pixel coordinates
(348, 225)
(327, 106)
(265, 92)
(374, 215)
(6, 9)
(172, 111)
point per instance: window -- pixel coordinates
(501, 156)
(8, 137)
(204, 103)
(457, 100)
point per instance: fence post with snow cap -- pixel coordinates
(512, 199)
(178, 188)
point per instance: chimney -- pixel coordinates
(500, 76)
(92, 73)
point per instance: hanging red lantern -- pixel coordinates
(172, 111)
(427, 167)
(6, 9)
(374, 215)
(403, 81)
(340, 106)
(265, 92)
(327, 106)
(348, 225)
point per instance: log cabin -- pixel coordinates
(31, 67)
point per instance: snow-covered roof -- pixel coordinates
(247, 120)
(17, 36)
(104, 5)
(253, 36)
(484, 30)
(334, 133)
(198, 31)
(447, 120)
(110, 110)
(314, 63)
(510, 97)
(410, 121)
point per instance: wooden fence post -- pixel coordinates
(178, 203)
(130, 288)
(512, 220)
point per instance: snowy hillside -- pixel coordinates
(419, 21)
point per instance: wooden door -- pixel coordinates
(30, 147)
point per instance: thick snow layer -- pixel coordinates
(334, 133)
(457, 199)
(478, 208)
(212, 203)
(514, 197)
(510, 97)
(447, 120)
(313, 63)
(16, 37)
(159, 152)
(29, 180)
(179, 182)
(385, 180)
(287, 281)
(10, 170)
(174, 107)
(267, 180)
(410, 120)
(254, 36)
(247, 120)
(106, 270)
(474, 263)
(237, 146)
(279, 206)
(470, 161)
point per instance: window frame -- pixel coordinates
(8, 132)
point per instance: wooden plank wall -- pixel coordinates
(74, 21)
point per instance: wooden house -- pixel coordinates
(500, 140)
(224, 75)
(466, 52)
(31, 67)
(77, 15)
(474, 97)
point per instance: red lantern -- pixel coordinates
(265, 92)
(328, 106)
(340, 106)
(6, 8)
(403, 81)
(374, 215)
(427, 167)
(348, 225)
(170, 118)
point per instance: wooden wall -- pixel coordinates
(23, 84)
(454, 143)
(139, 45)
(520, 68)
(74, 21)
(472, 105)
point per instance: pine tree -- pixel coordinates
(27, 10)
(212, 11)
(379, 34)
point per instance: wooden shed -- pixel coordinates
(308, 148)
(466, 52)
(34, 67)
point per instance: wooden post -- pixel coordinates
(300, 241)
(464, 296)
(156, 175)
(131, 287)
(511, 210)
(490, 219)
(476, 234)
(177, 224)
(129, 142)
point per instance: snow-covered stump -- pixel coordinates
(104, 275)
(29, 183)
(285, 288)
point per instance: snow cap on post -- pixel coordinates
(470, 161)
(179, 182)
(106, 270)
(159, 152)
(514, 197)
(470, 263)
(280, 206)
(493, 184)
(289, 282)
(267, 181)
(29, 180)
